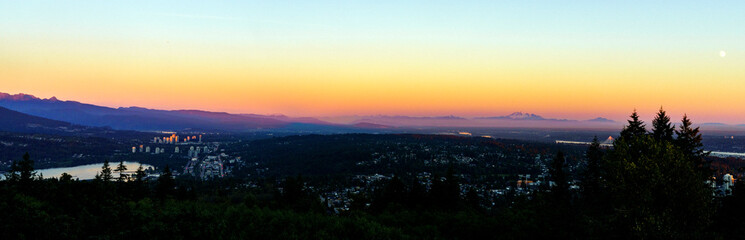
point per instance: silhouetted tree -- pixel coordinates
(561, 188)
(166, 183)
(689, 141)
(22, 172)
(105, 174)
(121, 168)
(140, 174)
(591, 179)
(65, 177)
(635, 128)
(662, 129)
(13, 173)
(655, 191)
(26, 168)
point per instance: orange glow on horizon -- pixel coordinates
(401, 80)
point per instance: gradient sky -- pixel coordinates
(575, 59)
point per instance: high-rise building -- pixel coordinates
(728, 181)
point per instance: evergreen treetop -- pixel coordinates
(662, 129)
(635, 128)
(689, 142)
(121, 168)
(105, 174)
(140, 174)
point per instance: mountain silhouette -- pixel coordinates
(133, 118)
(600, 120)
(518, 116)
(13, 121)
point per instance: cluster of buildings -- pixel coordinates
(156, 150)
(173, 139)
(194, 152)
(725, 189)
(209, 167)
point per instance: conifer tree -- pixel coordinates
(26, 169)
(105, 174)
(120, 169)
(689, 142)
(166, 183)
(654, 191)
(591, 177)
(140, 174)
(635, 128)
(12, 174)
(558, 176)
(662, 129)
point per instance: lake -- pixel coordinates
(89, 171)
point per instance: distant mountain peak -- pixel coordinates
(25, 97)
(17, 97)
(519, 116)
(447, 117)
(600, 119)
(526, 116)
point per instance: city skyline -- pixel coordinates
(577, 60)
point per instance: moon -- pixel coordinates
(722, 53)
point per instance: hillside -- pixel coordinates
(13, 121)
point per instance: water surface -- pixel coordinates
(89, 171)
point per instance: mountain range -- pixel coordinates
(13, 121)
(20, 122)
(144, 119)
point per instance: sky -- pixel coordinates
(561, 59)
